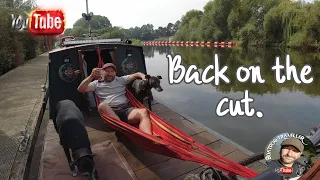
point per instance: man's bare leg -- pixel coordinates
(142, 117)
(104, 107)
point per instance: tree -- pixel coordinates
(115, 32)
(213, 23)
(175, 27)
(169, 30)
(97, 22)
(189, 26)
(79, 32)
(136, 32)
(68, 32)
(147, 32)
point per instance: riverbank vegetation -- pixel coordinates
(16, 47)
(287, 23)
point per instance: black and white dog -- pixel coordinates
(69, 124)
(142, 88)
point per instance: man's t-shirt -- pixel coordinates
(114, 92)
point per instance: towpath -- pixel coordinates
(21, 106)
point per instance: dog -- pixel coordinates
(69, 124)
(142, 88)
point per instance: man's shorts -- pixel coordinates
(123, 111)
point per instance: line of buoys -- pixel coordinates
(190, 43)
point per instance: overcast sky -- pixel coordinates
(127, 13)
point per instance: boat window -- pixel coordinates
(91, 58)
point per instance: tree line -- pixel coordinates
(101, 27)
(254, 22)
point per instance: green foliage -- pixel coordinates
(6, 60)
(189, 26)
(213, 22)
(136, 42)
(68, 32)
(114, 32)
(299, 39)
(97, 22)
(78, 32)
(254, 22)
(16, 47)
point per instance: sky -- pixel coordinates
(127, 13)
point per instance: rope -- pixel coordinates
(201, 149)
(173, 142)
(100, 64)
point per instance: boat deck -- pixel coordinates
(145, 165)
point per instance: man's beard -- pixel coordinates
(108, 78)
(288, 159)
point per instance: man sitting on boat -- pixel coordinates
(111, 92)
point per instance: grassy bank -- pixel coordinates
(136, 42)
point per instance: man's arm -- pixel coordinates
(137, 75)
(84, 85)
(129, 78)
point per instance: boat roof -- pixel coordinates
(90, 41)
(71, 44)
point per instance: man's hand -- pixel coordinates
(95, 72)
(143, 77)
(84, 85)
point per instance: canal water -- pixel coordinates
(286, 107)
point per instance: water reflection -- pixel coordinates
(287, 107)
(234, 58)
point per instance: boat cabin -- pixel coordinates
(74, 61)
